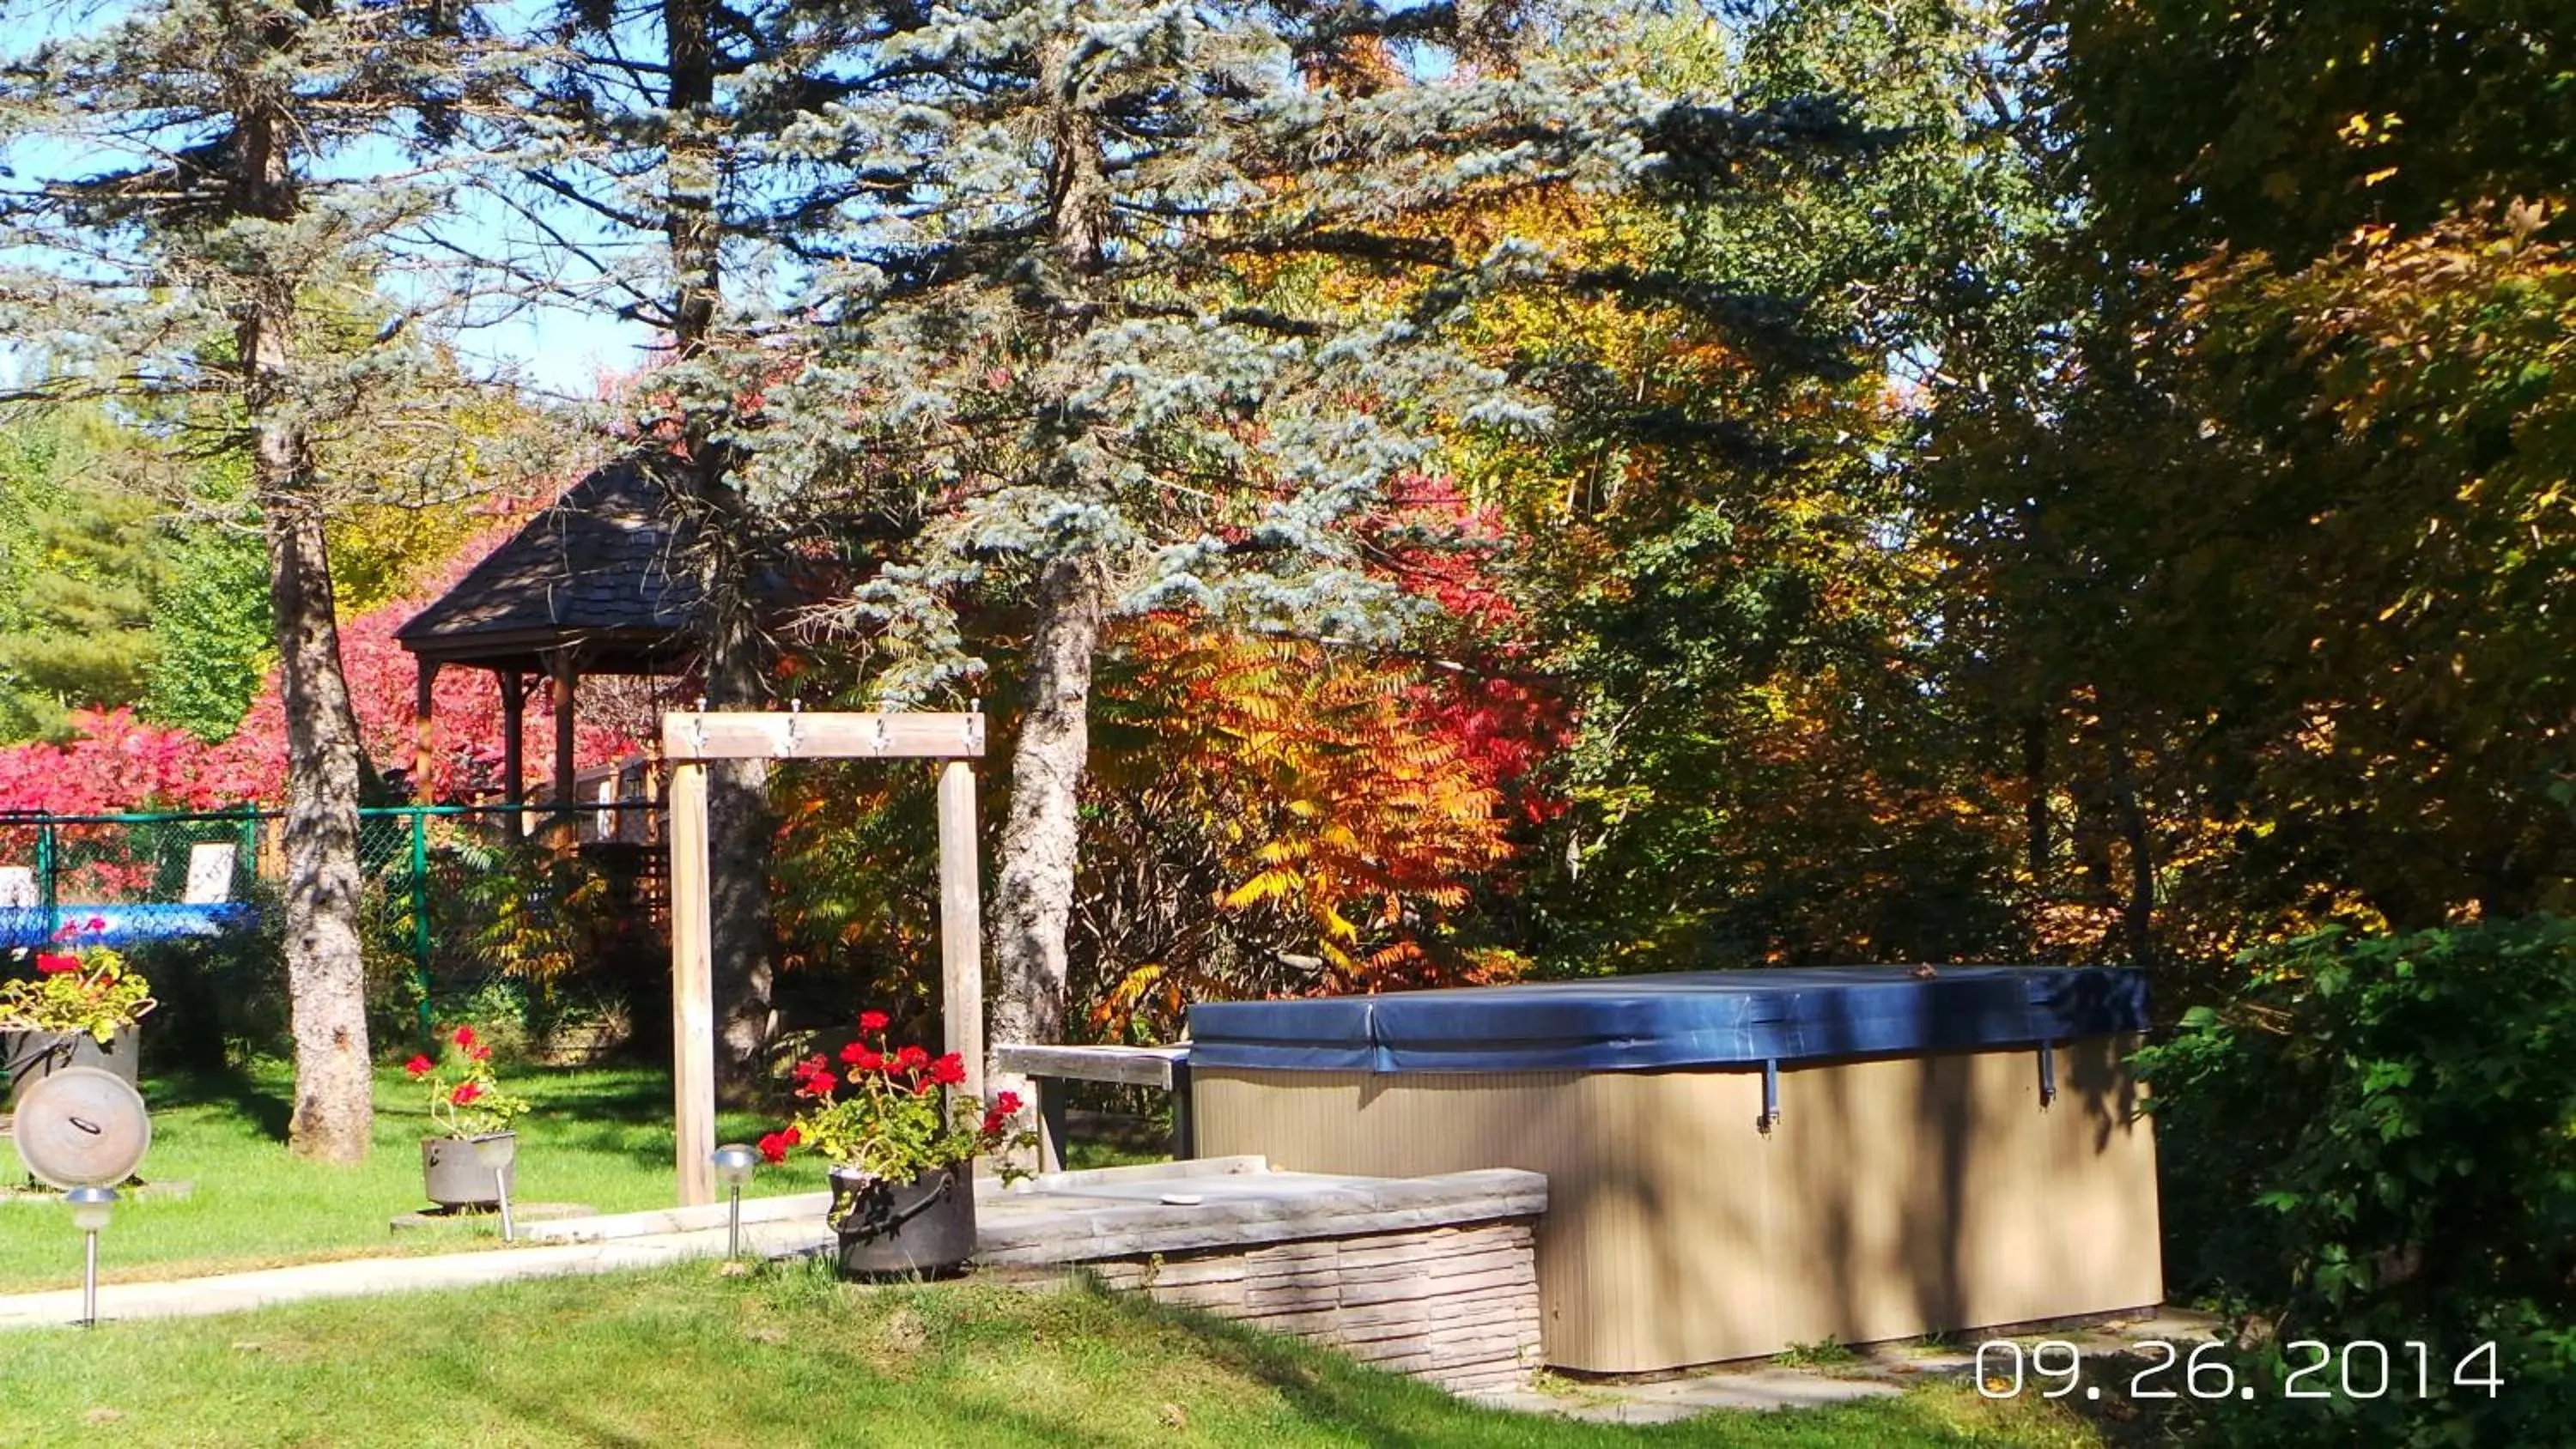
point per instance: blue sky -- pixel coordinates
(559, 351)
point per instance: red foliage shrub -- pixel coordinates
(117, 762)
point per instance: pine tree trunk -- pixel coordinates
(1033, 889)
(326, 979)
(739, 833)
(1041, 837)
(739, 829)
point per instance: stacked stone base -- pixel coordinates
(1457, 1306)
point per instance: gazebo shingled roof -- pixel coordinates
(592, 583)
(596, 571)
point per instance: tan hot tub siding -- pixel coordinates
(1894, 1197)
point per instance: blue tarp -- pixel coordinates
(124, 925)
(1686, 1019)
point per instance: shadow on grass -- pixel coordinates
(1381, 1410)
(612, 1111)
(2125, 1422)
(268, 1106)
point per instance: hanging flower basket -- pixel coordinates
(921, 1228)
(82, 1008)
(473, 1160)
(31, 1056)
(902, 1148)
(470, 1172)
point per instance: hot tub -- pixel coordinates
(1739, 1161)
(123, 926)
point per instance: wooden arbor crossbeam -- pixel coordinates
(689, 742)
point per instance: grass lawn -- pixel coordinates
(598, 1136)
(788, 1357)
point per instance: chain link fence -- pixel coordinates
(547, 923)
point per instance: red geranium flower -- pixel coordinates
(54, 965)
(773, 1148)
(819, 1084)
(1007, 1103)
(465, 1093)
(949, 1070)
(420, 1066)
(857, 1054)
(872, 1021)
(911, 1059)
(465, 1037)
(481, 1054)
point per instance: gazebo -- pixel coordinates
(591, 585)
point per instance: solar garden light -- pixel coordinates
(91, 1207)
(83, 1129)
(733, 1164)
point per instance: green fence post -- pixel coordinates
(420, 923)
(45, 891)
(246, 867)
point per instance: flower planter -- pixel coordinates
(924, 1228)
(463, 1172)
(31, 1056)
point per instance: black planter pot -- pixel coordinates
(924, 1228)
(469, 1172)
(31, 1056)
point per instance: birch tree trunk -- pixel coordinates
(326, 980)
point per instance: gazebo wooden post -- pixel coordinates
(689, 741)
(567, 684)
(514, 790)
(423, 700)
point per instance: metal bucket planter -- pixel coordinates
(32, 1056)
(924, 1228)
(469, 1172)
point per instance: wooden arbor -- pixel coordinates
(689, 741)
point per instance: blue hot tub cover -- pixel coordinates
(1685, 1019)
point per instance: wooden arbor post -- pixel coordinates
(689, 741)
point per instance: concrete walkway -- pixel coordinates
(360, 1277)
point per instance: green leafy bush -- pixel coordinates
(2376, 1139)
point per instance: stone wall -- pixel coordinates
(1457, 1306)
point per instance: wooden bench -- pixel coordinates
(1050, 1067)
